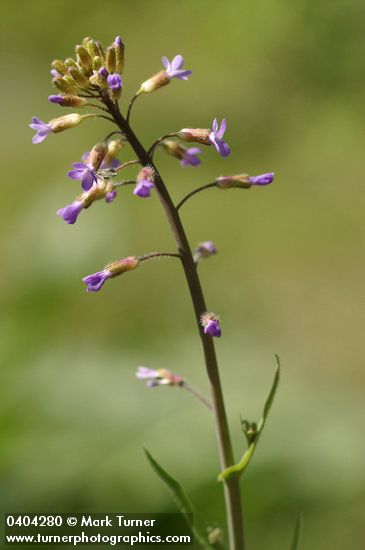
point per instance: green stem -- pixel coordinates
(231, 486)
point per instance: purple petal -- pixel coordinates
(222, 147)
(39, 137)
(75, 174)
(182, 75)
(88, 179)
(70, 212)
(215, 125)
(166, 63)
(222, 129)
(58, 99)
(193, 151)
(80, 165)
(85, 155)
(110, 196)
(177, 62)
(96, 280)
(144, 372)
(262, 179)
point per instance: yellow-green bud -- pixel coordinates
(65, 122)
(79, 78)
(97, 155)
(69, 62)
(64, 86)
(198, 135)
(227, 182)
(84, 59)
(92, 48)
(59, 66)
(154, 83)
(97, 62)
(119, 54)
(110, 59)
(121, 266)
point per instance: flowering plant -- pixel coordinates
(94, 80)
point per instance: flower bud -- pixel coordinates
(121, 266)
(101, 49)
(199, 135)
(79, 78)
(204, 250)
(154, 83)
(97, 62)
(119, 54)
(103, 78)
(68, 100)
(65, 122)
(59, 66)
(92, 47)
(84, 59)
(227, 182)
(71, 83)
(111, 59)
(64, 86)
(69, 62)
(96, 156)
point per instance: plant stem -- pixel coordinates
(194, 192)
(231, 486)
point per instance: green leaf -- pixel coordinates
(296, 535)
(271, 396)
(198, 527)
(240, 467)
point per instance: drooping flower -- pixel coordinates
(186, 156)
(115, 81)
(95, 281)
(160, 377)
(262, 179)
(144, 182)
(204, 250)
(70, 212)
(42, 130)
(216, 138)
(84, 173)
(210, 324)
(174, 69)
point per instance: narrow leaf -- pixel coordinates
(184, 504)
(296, 535)
(270, 398)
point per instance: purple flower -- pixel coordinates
(110, 196)
(103, 71)
(212, 328)
(210, 324)
(115, 81)
(95, 281)
(144, 182)
(84, 173)
(216, 138)
(42, 130)
(70, 212)
(55, 73)
(143, 188)
(160, 377)
(262, 179)
(174, 69)
(190, 158)
(58, 99)
(204, 250)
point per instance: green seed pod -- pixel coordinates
(110, 59)
(59, 66)
(79, 78)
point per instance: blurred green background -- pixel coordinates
(289, 277)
